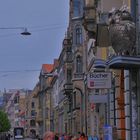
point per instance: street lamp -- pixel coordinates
(25, 31)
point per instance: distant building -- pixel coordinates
(14, 100)
(30, 115)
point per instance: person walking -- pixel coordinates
(49, 136)
(56, 137)
(83, 137)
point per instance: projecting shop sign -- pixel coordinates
(99, 80)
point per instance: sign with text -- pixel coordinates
(99, 80)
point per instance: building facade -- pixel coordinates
(31, 127)
(72, 102)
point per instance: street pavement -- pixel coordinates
(24, 139)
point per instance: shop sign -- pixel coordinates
(98, 98)
(99, 80)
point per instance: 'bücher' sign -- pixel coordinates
(99, 80)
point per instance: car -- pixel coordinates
(18, 133)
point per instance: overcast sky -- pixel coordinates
(47, 21)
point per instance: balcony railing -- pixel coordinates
(68, 87)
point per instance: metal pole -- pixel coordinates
(108, 101)
(138, 103)
(108, 106)
(138, 53)
(130, 100)
(85, 102)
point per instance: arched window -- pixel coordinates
(78, 32)
(79, 64)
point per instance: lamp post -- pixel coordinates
(25, 31)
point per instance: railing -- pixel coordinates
(68, 88)
(78, 76)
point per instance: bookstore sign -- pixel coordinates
(99, 80)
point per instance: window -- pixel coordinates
(77, 8)
(32, 122)
(47, 113)
(78, 35)
(33, 113)
(74, 100)
(33, 105)
(16, 99)
(69, 75)
(79, 64)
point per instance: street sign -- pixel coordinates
(99, 80)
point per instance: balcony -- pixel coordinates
(78, 76)
(68, 88)
(90, 20)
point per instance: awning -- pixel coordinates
(124, 62)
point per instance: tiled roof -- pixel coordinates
(47, 68)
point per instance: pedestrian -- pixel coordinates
(62, 137)
(95, 138)
(49, 136)
(78, 135)
(90, 138)
(83, 137)
(74, 138)
(56, 136)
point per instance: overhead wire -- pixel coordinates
(28, 70)
(38, 29)
(6, 73)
